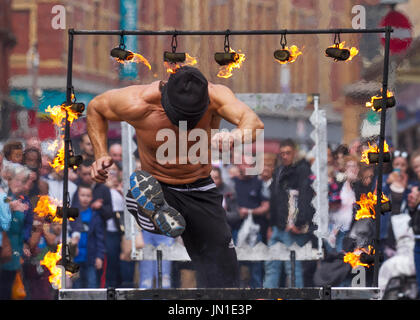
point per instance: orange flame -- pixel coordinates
(226, 71)
(173, 67)
(58, 162)
(294, 53)
(50, 261)
(58, 114)
(137, 58)
(353, 258)
(369, 104)
(367, 205)
(372, 149)
(47, 207)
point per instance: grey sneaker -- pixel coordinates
(153, 212)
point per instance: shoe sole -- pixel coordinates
(148, 194)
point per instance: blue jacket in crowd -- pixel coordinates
(92, 236)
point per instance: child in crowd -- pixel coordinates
(88, 231)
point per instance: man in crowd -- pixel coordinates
(115, 152)
(229, 197)
(102, 203)
(86, 147)
(251, 201)
(290, 211)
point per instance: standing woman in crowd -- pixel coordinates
(396, 187)
(10, 269)
(339, 155)
(32, 159)
(341, 219)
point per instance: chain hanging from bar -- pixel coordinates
(337, 40)
(122, 42)
(174, 42)
(226, 43)
(283, 41)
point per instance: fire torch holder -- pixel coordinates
(67, 144)
(379, 167)
(387, 30)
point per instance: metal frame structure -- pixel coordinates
(312, 293)
(69, 90)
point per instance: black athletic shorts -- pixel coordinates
(207, 236)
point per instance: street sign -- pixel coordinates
(402, 36)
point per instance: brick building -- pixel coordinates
(7, 41)
(36, 86)
(39, 60)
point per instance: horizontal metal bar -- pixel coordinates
(221, 32)
(259, 252)
(310, 293)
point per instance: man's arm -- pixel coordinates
(236, 112)
(258, 211)
(114, 105)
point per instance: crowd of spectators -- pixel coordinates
(96, 242)
(280, 203)
(278, 200)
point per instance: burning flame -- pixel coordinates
(47, 207)
(50, 261)
(372, 149)
(173, 67)
(226, 71)
(369, 104)
(58, 114)
(137, 58)
(294, 53)
(367, 205)
(353, 258)
(58, 162)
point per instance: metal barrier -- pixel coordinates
(70, 91)
(313, 293)
(259, 252)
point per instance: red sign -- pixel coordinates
(401, 36)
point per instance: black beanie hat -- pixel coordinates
(185, 96)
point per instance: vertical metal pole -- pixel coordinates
(381, 156)
(159, 268)
(127, 143)
(293, 269)
(318, 176)
(66, 151)
(131, 168)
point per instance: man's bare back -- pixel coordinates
(154, 121)
(140, 106)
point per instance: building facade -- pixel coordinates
(38, 63)
(39, 60)
(7, 42)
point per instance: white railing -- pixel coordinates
(260, 252)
